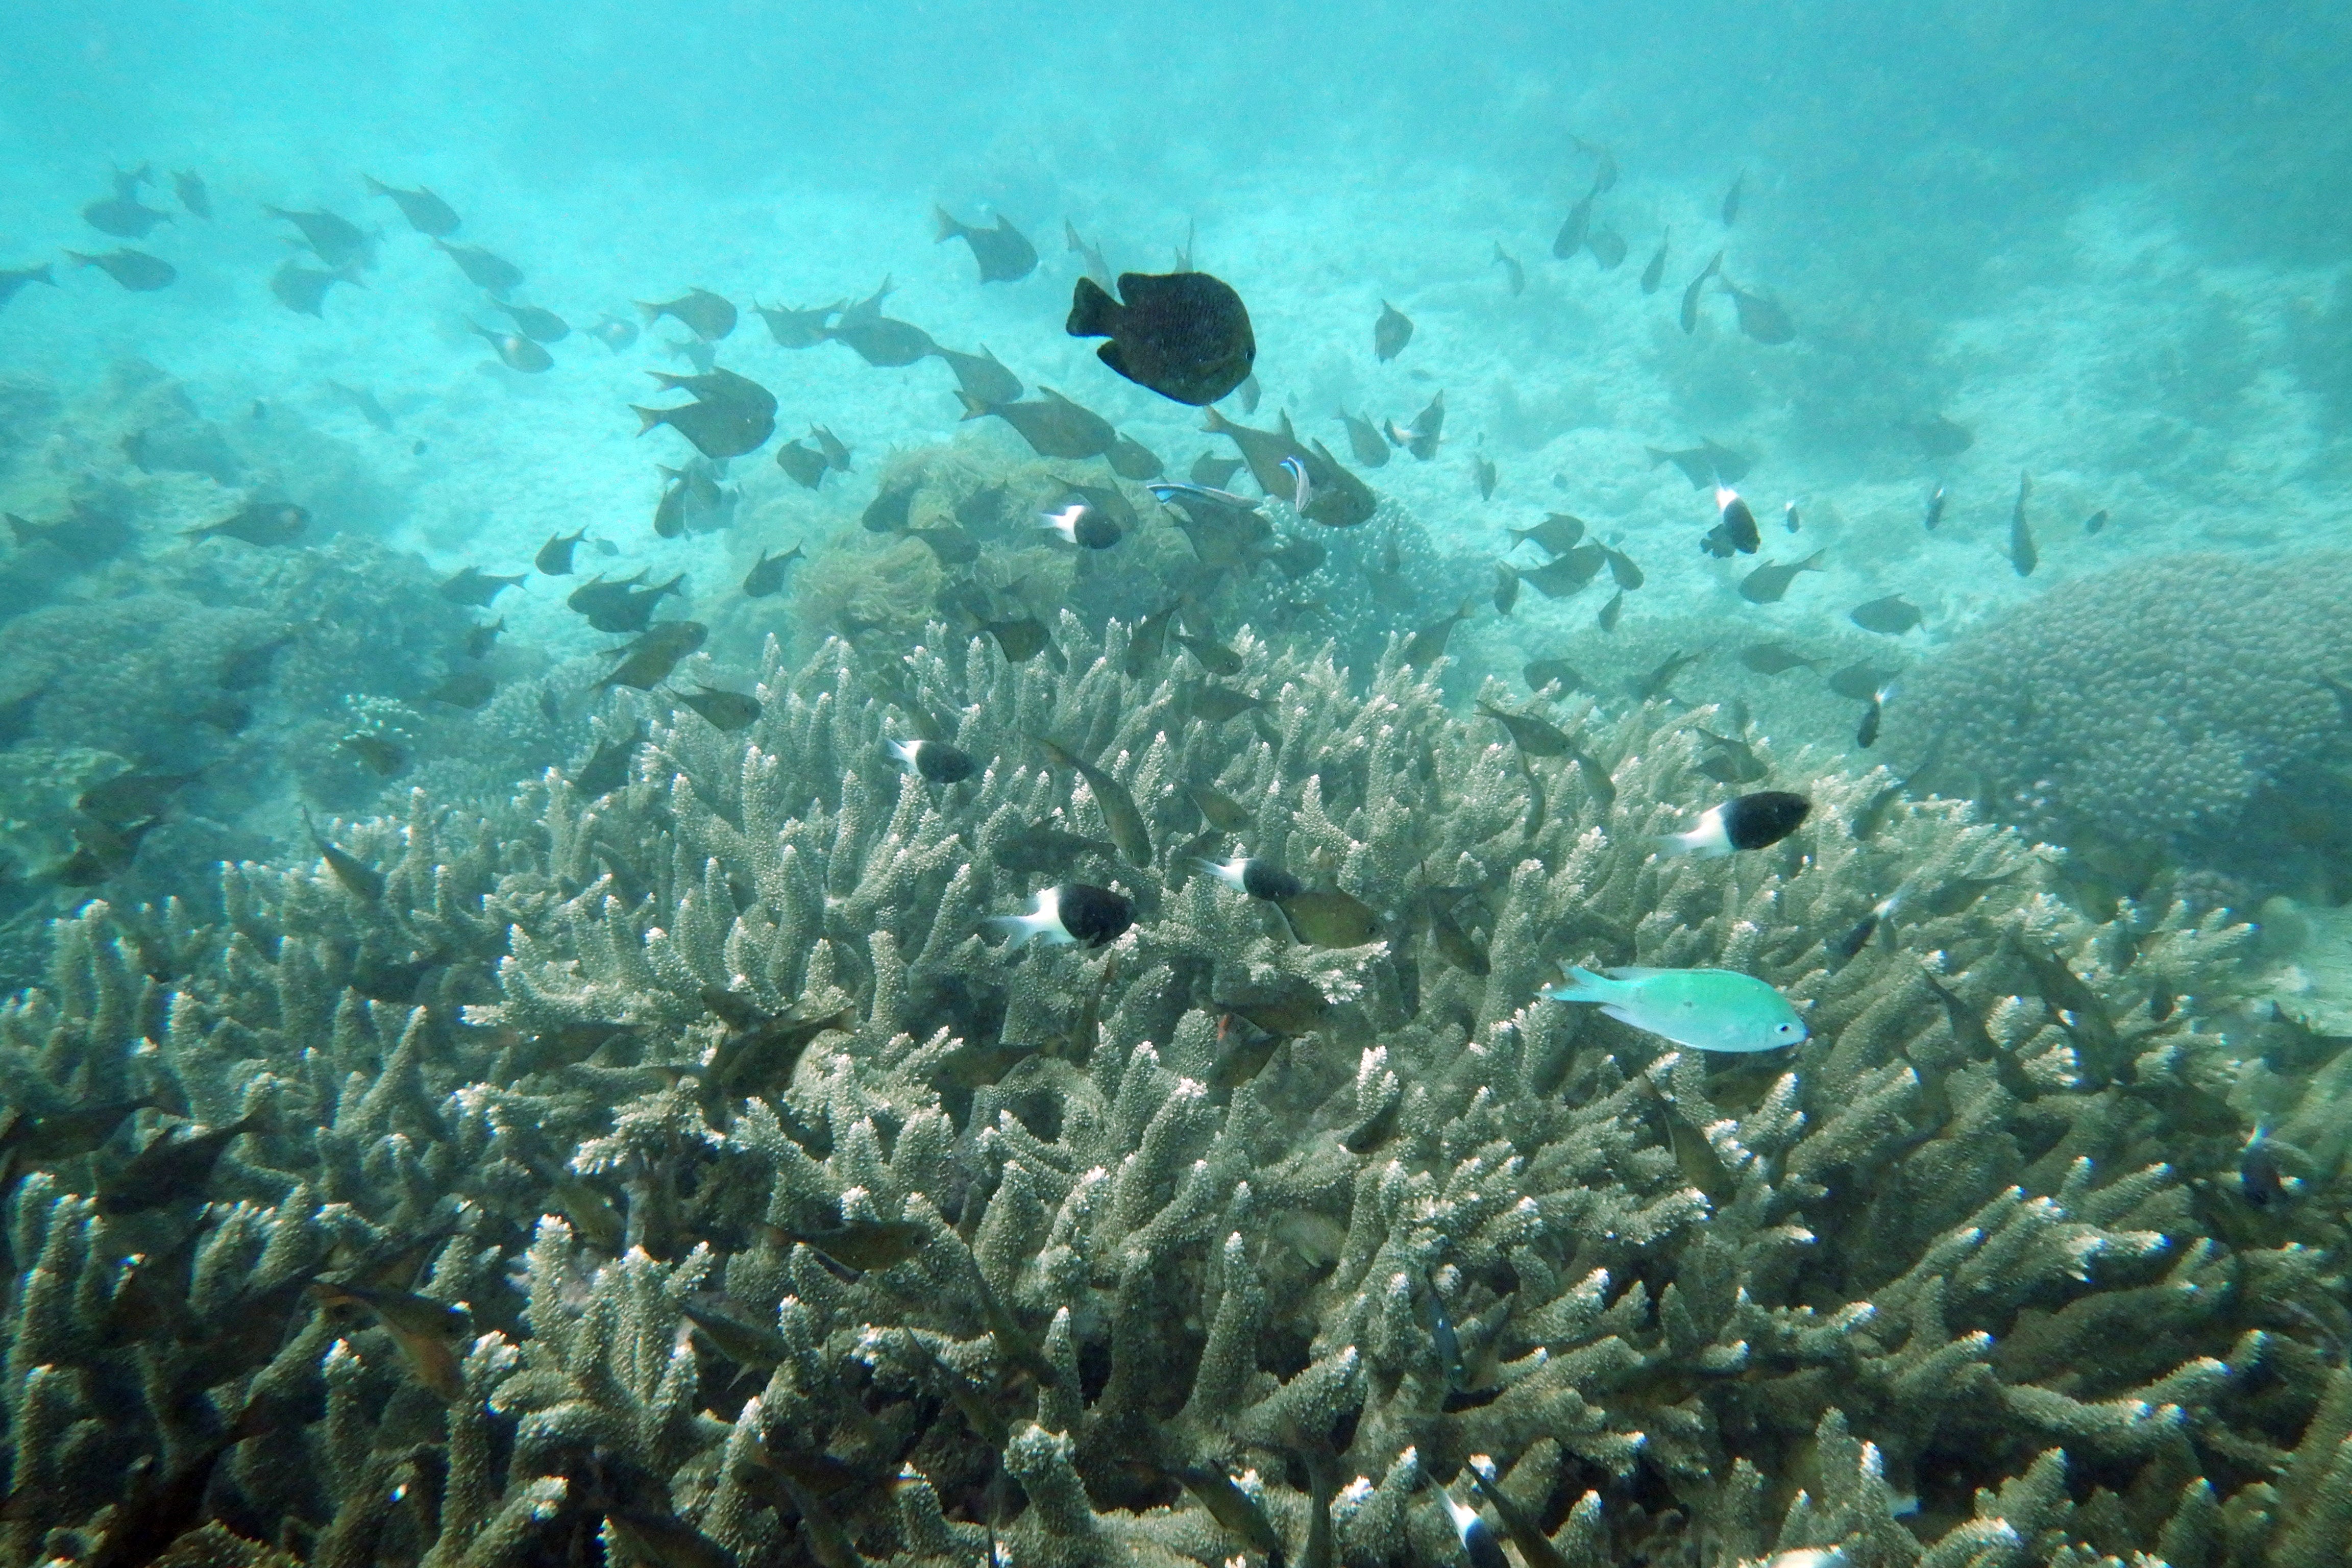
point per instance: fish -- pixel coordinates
(1506, 587)
(1543, 672)
(134, 269)
(1612, 611)
(381, 756)
(614, 333)
(1020, 640)
(515, 351)
(607, 767)
(477, 587)
(1073, 912)
(1891, 615)
(554, 557)
(1249, 392)
(1514, 276)
(1258, 878)
(1483, 471)
(1623, 568)
(2022, 556)
(359, 878)
(741, 1341)
(1732, 198)
(1335, 496)
(1564, 575)
(1392, 332)
(467, 689)
(541, 326)
(158, 1511)
(766, 577)
(1364, 439)
(127, 797)
(982, 375)
(1573, 228)
(669, 512)
(1789, 516)
(1214, 704)
(1131, 459)
(481, 639)
(1428, 427)
(1746, 821)
(174, 1165)
(1692, 291)
(1653, 685)
(1760, 318)
(189, 187)
(1454, 943)
(1039, 849)
(795, 328)
(836, 452)
(1003, 252)
(1735, 527)
(1185, 336)
(718, 427)
(1941, 437)
(363, 403)
(1534, 737)
(257, 523)
(949, 543)
(1775, 658)
(881, 340)
(1428, 644)
(245, 668)
(1860, 681)
(1705, 1009)
(1559, 532)
(1655, 272)
(804, 463)
(337, 241)
(934, 761)
(1083, 524)
(1768, 582)
(13, 279)
(428, 213)
(2262, 1178)
(1111, 799)
(698, 310)
(1091, 256)
(1729, 760)
(1608, 248)
(1865, 734)
(1282, 1004)
(725, 711)
(483, 269)
(1479, 1545)
(2095, 521)
(1054, 425)
(1935, 510)
(1330, 918)
(1262, 450)
(1209, 471)
(123, 216)
(647, 662)
(1212, 655)
(1704, 464)
(425, 1331)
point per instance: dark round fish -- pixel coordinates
(1093, 916)
(1185, 335)
(1765, 817)
(934, 761)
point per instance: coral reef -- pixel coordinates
(2176, 710)
(680, 1172)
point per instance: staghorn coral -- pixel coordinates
(2178, 707)
(792, 1218)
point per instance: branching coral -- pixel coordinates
(791, 1217)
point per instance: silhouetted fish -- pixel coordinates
(1054, 427)
(12, 280)
(337, 240)
(1655, 272)
(797, 329)
(1514, 276)
(703, 313)
(1697, 287)
(134, 269)
(493, 274)
(1185, 335)
(428, 213)
(1003, 252)
(1392, 332)
(982, 374)
(1893, 615)
(303, 289)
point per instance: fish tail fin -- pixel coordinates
(79, 259)
(1093, 314)
(1714, 267)
(1217, 425)
(973, 408)
(647, 417)
(376, 187)
(947, 226)
(668, 381)
(1807, 564)
(653, 312)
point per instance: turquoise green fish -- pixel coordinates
(1706, 1009)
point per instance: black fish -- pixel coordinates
(1735, 527)
(2022, 556)
(1054, 427)
(1760, 318)
(718, 427)
(189, 187)
(766, 574)
(1859, 681)
(1559, 532)
(1573, 228)
(1691, 293)
(1749, 822)
(134, 269)
(1543, 672)
(1185, 335)
(475, 586)
(1567, 574)
(607, 768)
(1940, 437)
(794, 328)
(1003, 252)
(1076, 912)
(804, 463)
(700, 311)
(493, 274)
(1392, 332)
(363, 403)
(554, 557)
(1534, 737)
(1893, 615)
(1653, 686)
(1774, 658)
(1702, 464)
(728, 710)
(541, 326)
(124, 216)
(982, 374)
(259, 522)
(1623, 568)
(2095, 521)
(170, 1168)
(337, 240)
(1611, 612)
(1655, 272)
(428, 213)
(1769, 581)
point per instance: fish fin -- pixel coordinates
(1216, 424)
(1093, 312)
(647, 417)
(1637, 972)
(1109, 353)
(653, 312)
(948, 227)
(973, 408)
